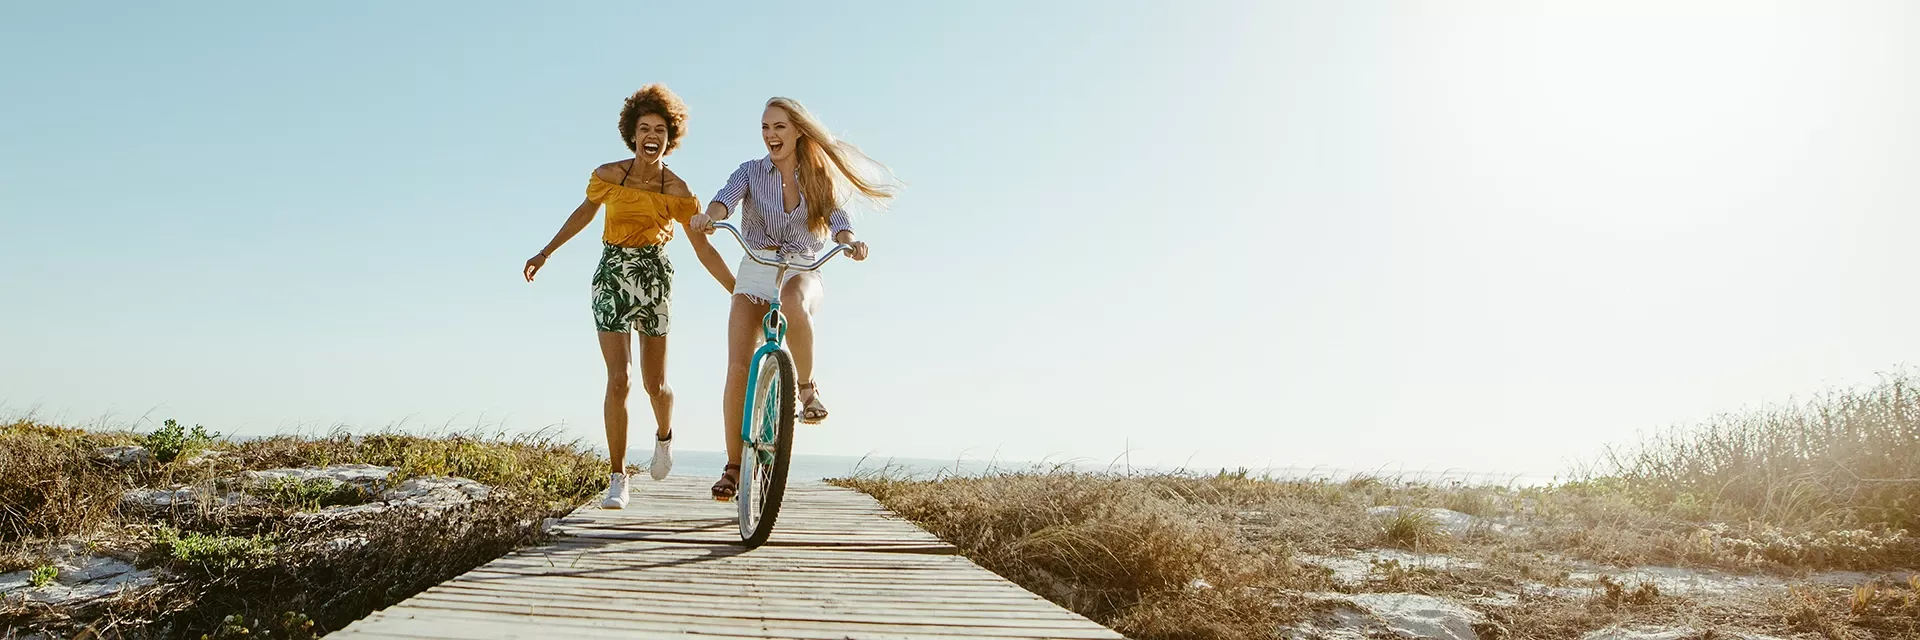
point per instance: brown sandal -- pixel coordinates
(811, 411)
(729, 484)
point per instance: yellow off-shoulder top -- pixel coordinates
(636, 217)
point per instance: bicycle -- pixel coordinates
(766, 435)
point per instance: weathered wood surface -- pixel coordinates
(838, 566)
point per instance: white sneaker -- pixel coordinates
(662, 458)
(616, 492)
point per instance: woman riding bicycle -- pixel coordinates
(791, 202)
(634, 282)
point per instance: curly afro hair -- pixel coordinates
(658, 100)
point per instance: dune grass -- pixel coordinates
(258, 570)
(1780, 491)
(1848, 458)
(1826, 484)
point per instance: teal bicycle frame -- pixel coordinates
(774, 327)
(766, 433)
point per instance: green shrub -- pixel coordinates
(313, 494)
(213, 553)
(44, 575)
(172, 441)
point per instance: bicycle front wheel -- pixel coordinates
(769, 446)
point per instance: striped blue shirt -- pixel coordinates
(756, 184)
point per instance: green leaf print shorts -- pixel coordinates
(631, 289)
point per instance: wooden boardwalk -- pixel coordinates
(838, 566)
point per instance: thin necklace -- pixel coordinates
(659, 175)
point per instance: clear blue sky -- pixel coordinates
(1481, 235)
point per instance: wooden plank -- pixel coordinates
(871, 602)
(751, 581)
(711, 588)
(762, 610)
(693, 623)
(765, 557)
(460, 625)
(838, 566)
(696, 556)
(771, 572)
(976, 600)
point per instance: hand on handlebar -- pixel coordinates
(701, 224)
(856, 249)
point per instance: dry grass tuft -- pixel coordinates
(536, 464)
(51, 485)
(1848, 459)
(383, 559)
(1168, 556)
(259, 571)
(1408, 529)
(1153, 557)
(1790, 491)
(1872, 609)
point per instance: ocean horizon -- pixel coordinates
(813, 467)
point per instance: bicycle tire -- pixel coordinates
(766, 484)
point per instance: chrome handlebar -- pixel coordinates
(815, 265)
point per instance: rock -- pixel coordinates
(1680, 581)
(1497, 600)
(1404, 615)
(1667, 633)
(432, 493)
(437, 491)
(144, 498)
(207, 456)
(11, 582)
(369, 477)
(344, 545)
(1642, 633)
(1713, 583)
(131, 455)
(81, 579)
(1341, 624)
(342, 513)
(152, 500)
(1855, 578)
(1356, 569)
(1421, 616)
(1452, 522)
(82, 570)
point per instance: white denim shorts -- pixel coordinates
(755, 280)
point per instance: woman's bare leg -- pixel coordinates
(653, 380)
(743, 337)
(616, 349)
(798, 300)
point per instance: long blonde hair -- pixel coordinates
(833, 172)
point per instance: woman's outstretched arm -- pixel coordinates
(579, 219)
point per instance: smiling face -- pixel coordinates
(777, 130)
(650, 137)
